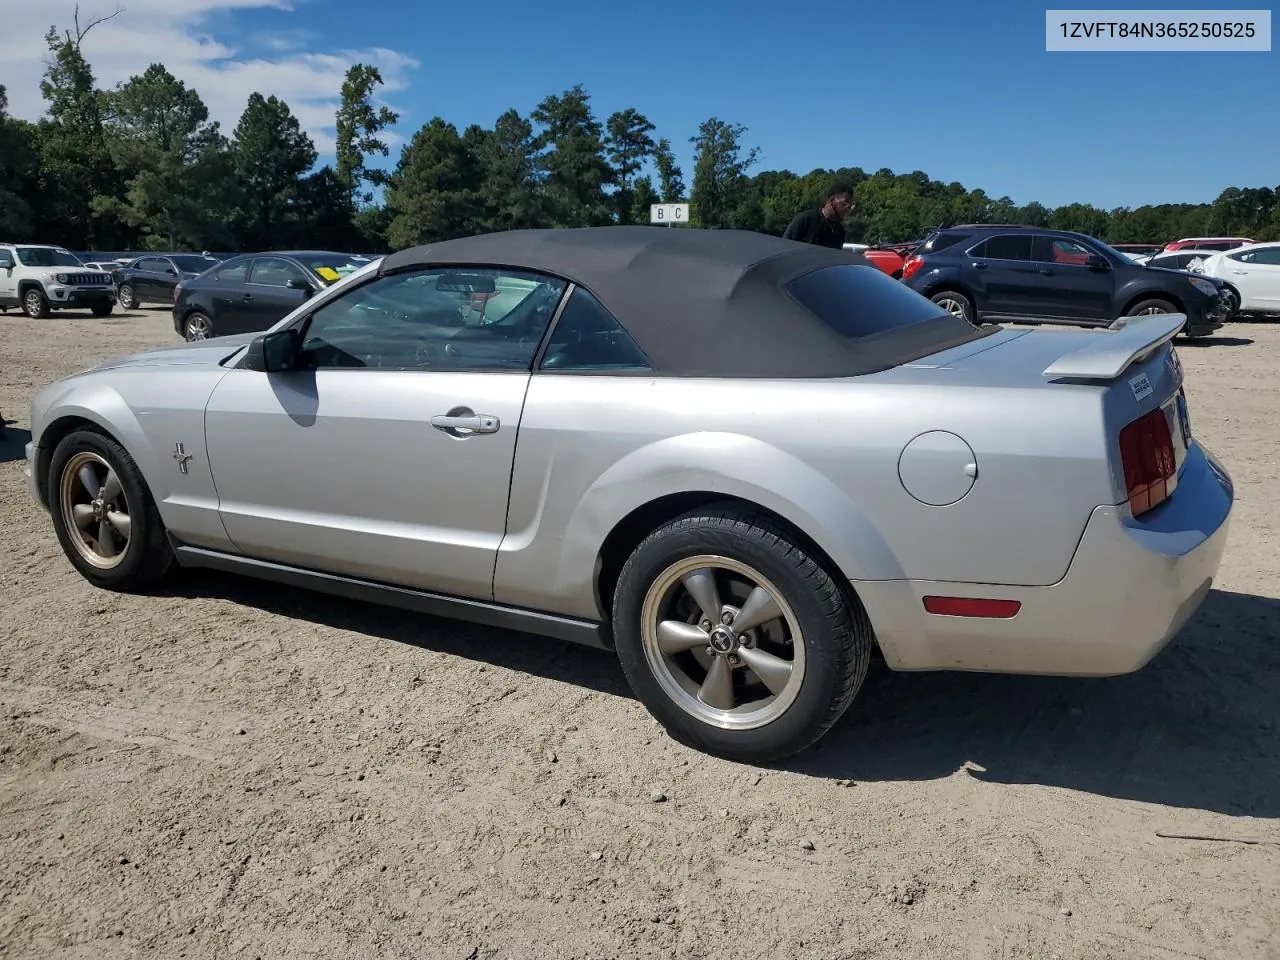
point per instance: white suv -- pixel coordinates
(41, 278)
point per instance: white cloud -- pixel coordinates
(225, 70)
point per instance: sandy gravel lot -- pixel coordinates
(244, 770)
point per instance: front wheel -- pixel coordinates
(35, 303)
(101, 309)
(128, 297)
(104, 514)
(955, 303)
(1150, 307)
(736, 639)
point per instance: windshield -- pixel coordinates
(193, 264)
(333, 267)
(46, 257)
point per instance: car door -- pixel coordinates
(268, 296)
(389, 457)
(224, 289)
(164, 279)
(143, 275)
(1071, 288)
(1255, 272)
(1003, 269)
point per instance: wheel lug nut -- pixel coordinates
(726, 618)
(711, 651)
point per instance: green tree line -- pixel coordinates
(142, 166)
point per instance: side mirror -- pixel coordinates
(1096, 262)
(274, 352)
(297, 283)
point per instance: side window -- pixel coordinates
(1062, 250)
(274, 272)
(435, 319)
(1267, 255)
(1006, 246)
(588, 338)
(233, 273)
(940, 242)
(147, 265)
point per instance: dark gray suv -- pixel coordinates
(992, 273)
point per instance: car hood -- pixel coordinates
(202, 353)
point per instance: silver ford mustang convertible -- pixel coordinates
(742, 463)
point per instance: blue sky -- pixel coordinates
(959, 90)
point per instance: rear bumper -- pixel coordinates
(1132, 585)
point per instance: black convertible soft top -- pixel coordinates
(710, 303)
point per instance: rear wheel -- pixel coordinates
(955, 303)
(736, 639)
(104, 514)
(35, 303)
(128, 297)
(198, 327)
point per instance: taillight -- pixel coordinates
(1146, 453)
(912, 265)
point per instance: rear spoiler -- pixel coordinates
(1126, 340)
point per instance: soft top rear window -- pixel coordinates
(860, 301)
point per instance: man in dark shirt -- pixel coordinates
(824, 227)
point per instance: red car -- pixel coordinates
(1208, 243)
(887, 260)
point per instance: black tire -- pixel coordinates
(1152, 305)
(128, 297)
(942, 296)
(1234, 301)
(193, 319)
(101, 309)
(147, 557)
(837, 637)
(35, 304)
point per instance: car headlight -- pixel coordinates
(62, 278)
(1204, 286)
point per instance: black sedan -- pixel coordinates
(252, 291)
(152, 279)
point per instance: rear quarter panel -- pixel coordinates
(824, 455)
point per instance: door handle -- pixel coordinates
(247, 296)
(474, 423)
(1045, 271)
(979, 266)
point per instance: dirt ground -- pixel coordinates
(245, 770)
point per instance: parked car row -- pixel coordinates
(251, 291)
(991, 273)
